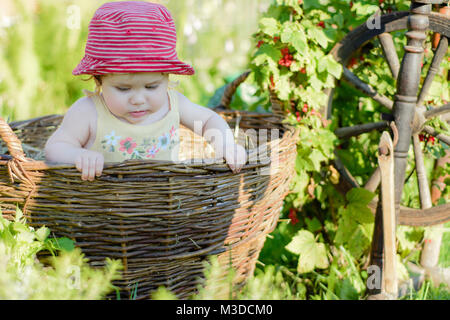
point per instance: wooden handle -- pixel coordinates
(231, 89)
(12, 142)
(386, 163)
(277, 105)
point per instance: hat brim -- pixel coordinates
(92, 66)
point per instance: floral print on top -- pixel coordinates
(148, 148)
(119, 141)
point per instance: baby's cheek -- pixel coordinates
(159, 100)
(116, 104)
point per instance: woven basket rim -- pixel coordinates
(210, 164)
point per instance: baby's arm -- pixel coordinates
(215, 130)
(66, 143)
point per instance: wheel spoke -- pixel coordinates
(434, 68)
(424, 217)
(374, 181)
(367, 89)
(424, 188)
(387, 44)
(343, 171)
(442, 137)
(437, 111)
(347, 132)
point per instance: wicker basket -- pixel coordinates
(162, 219)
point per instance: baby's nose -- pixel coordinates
(137, 99)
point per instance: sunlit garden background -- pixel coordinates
(41, 42)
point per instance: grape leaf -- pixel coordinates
(269, 26)
(358, 242)
(317, 157)
(360, 196)
(311, 254)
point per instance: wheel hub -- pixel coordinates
(419, 120)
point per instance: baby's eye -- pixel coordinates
(122, 89)
(151, 87)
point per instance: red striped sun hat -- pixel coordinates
(131, 36)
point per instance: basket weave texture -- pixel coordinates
(162, 219)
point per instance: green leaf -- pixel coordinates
(355, 225)
(269, 26)
(303, 162)
(163, 294)
(301, 242)
(360, 212)
(333, 67)
(308, 4)
(42, 233)
(321, 256)
(293, 34)
(346, 291)
(319, 36)
(315, 83)
(346, 227)
(19, 227)
(339, 19)
(321, 67)
(360, 195)
(267, 53)
(313, 224)
(316, 158)
(306, 262)
(19, 214)
(284, 87)
(358, 242)
(364, 9)
(300, 182)
(64, 244)
(311, 254)
(4, 224)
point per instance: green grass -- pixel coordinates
(444, 257)
(429, 292)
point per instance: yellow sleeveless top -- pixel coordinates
(119, 141)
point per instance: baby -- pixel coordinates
(134, 114)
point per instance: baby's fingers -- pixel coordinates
(82, 165)
(92, 168)
(84, 168)
(99, 166)
(79, 163)
(236, 163)
(238, 167)
(95, 166)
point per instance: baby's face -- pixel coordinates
(134, 97)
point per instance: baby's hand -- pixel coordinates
(236, 157)
(90, 164)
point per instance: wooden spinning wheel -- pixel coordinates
(405, 113)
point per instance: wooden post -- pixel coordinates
(386, 163)
(377, 250)
(407, 88)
